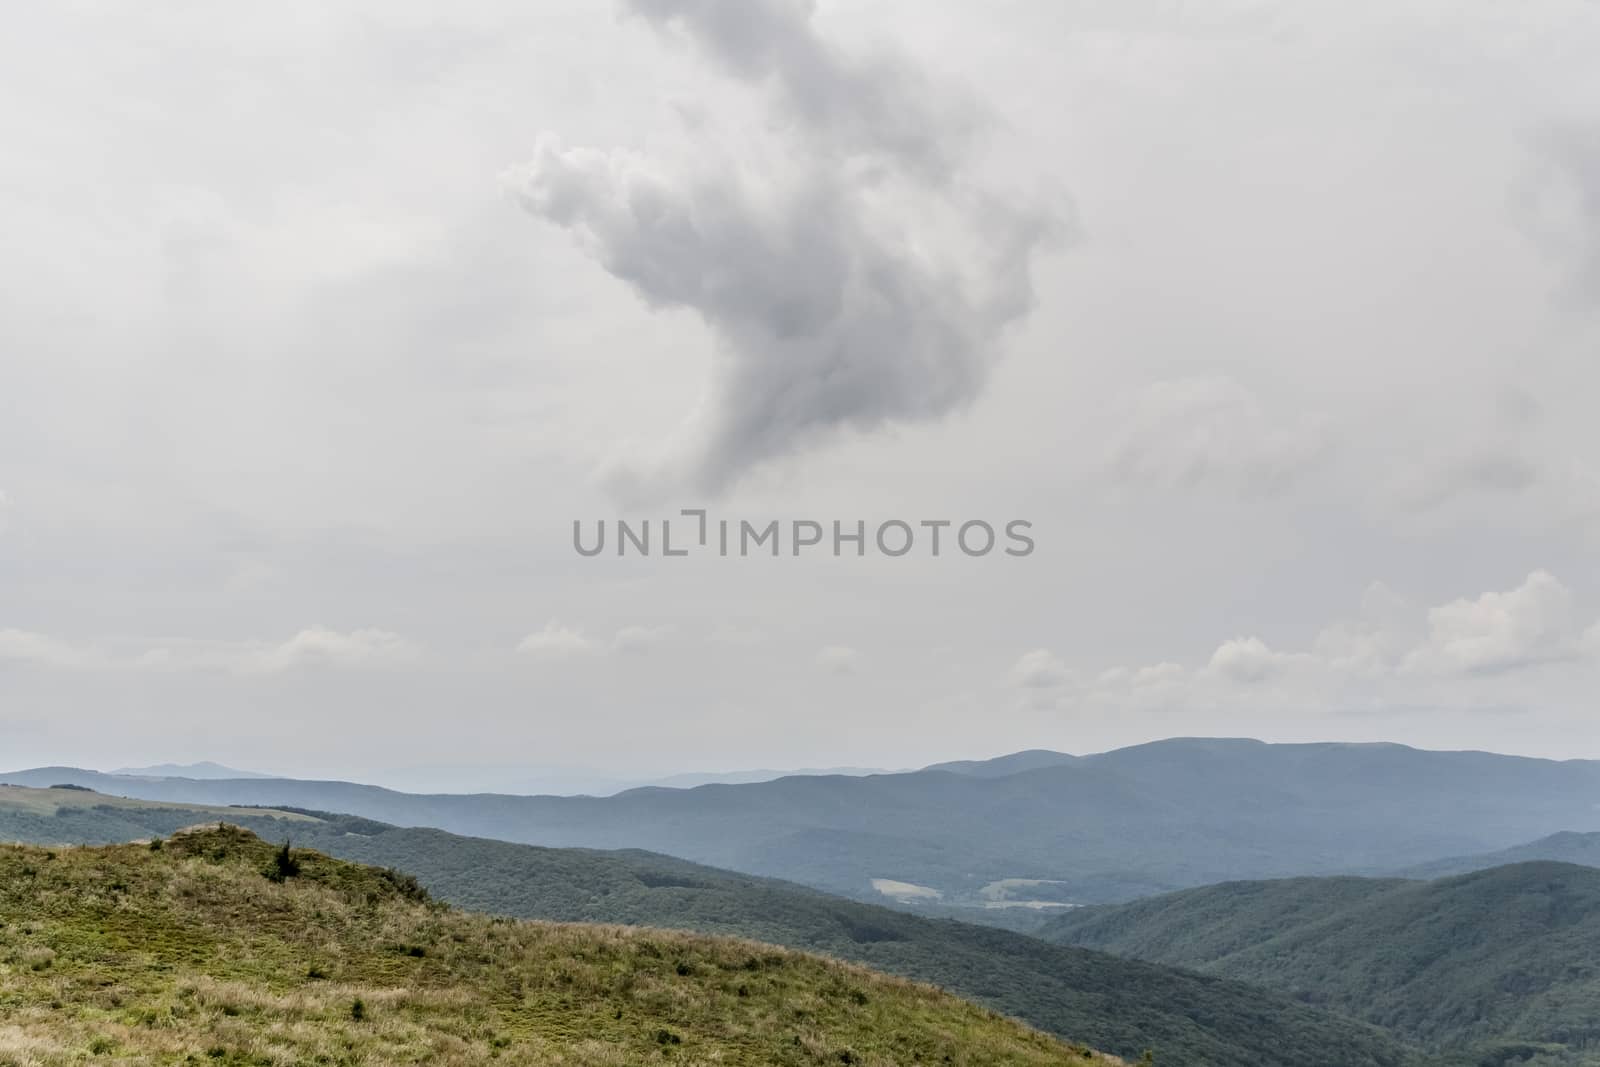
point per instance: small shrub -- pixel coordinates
(358, 1010)
(406, 885)
(284, 866)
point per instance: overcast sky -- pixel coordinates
(320, 324)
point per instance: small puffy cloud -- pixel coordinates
(838, 659)
(560, 642)
(556, 642)
(315, 646)
(1040, 669)
(1198, 431)
(25, 646)
(319, 646)
(1532, 624)
(1157, 674)
(1044, 681)
(639, 638)
(1247, 660)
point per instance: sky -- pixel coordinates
(322, 324)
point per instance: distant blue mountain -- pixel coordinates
(1106, 827)
(202, 771)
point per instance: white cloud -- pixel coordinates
(1159, 674)
(838, 659)
(557, 642)
(1391, 652)
(561, 642)
(639, 638)
(318, 646)
(315, 646)
(1248, 660)
(1196, 431)
(1040, 669)
(28, 647)
(1532, 624)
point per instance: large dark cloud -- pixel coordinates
(878, 105)
(866, 281)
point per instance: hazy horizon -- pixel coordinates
(603, 780)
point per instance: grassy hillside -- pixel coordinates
(1199, 927)
(79, 817)
(211, 950)
(1113, 826)
(1505, 959)
(1118, 1005)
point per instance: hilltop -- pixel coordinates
(1118, 1005)
(1565, 847)
(1501, 962)
(214, 947)
(203, 769)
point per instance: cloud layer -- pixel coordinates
(315, 646)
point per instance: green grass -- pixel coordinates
(195, 952)
(1117, 1005)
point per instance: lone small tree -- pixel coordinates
(284, 865)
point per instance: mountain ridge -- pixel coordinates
(1502, 956)
(1132, 822)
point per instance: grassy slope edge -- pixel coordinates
(194, 953)
(1117, 1005)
